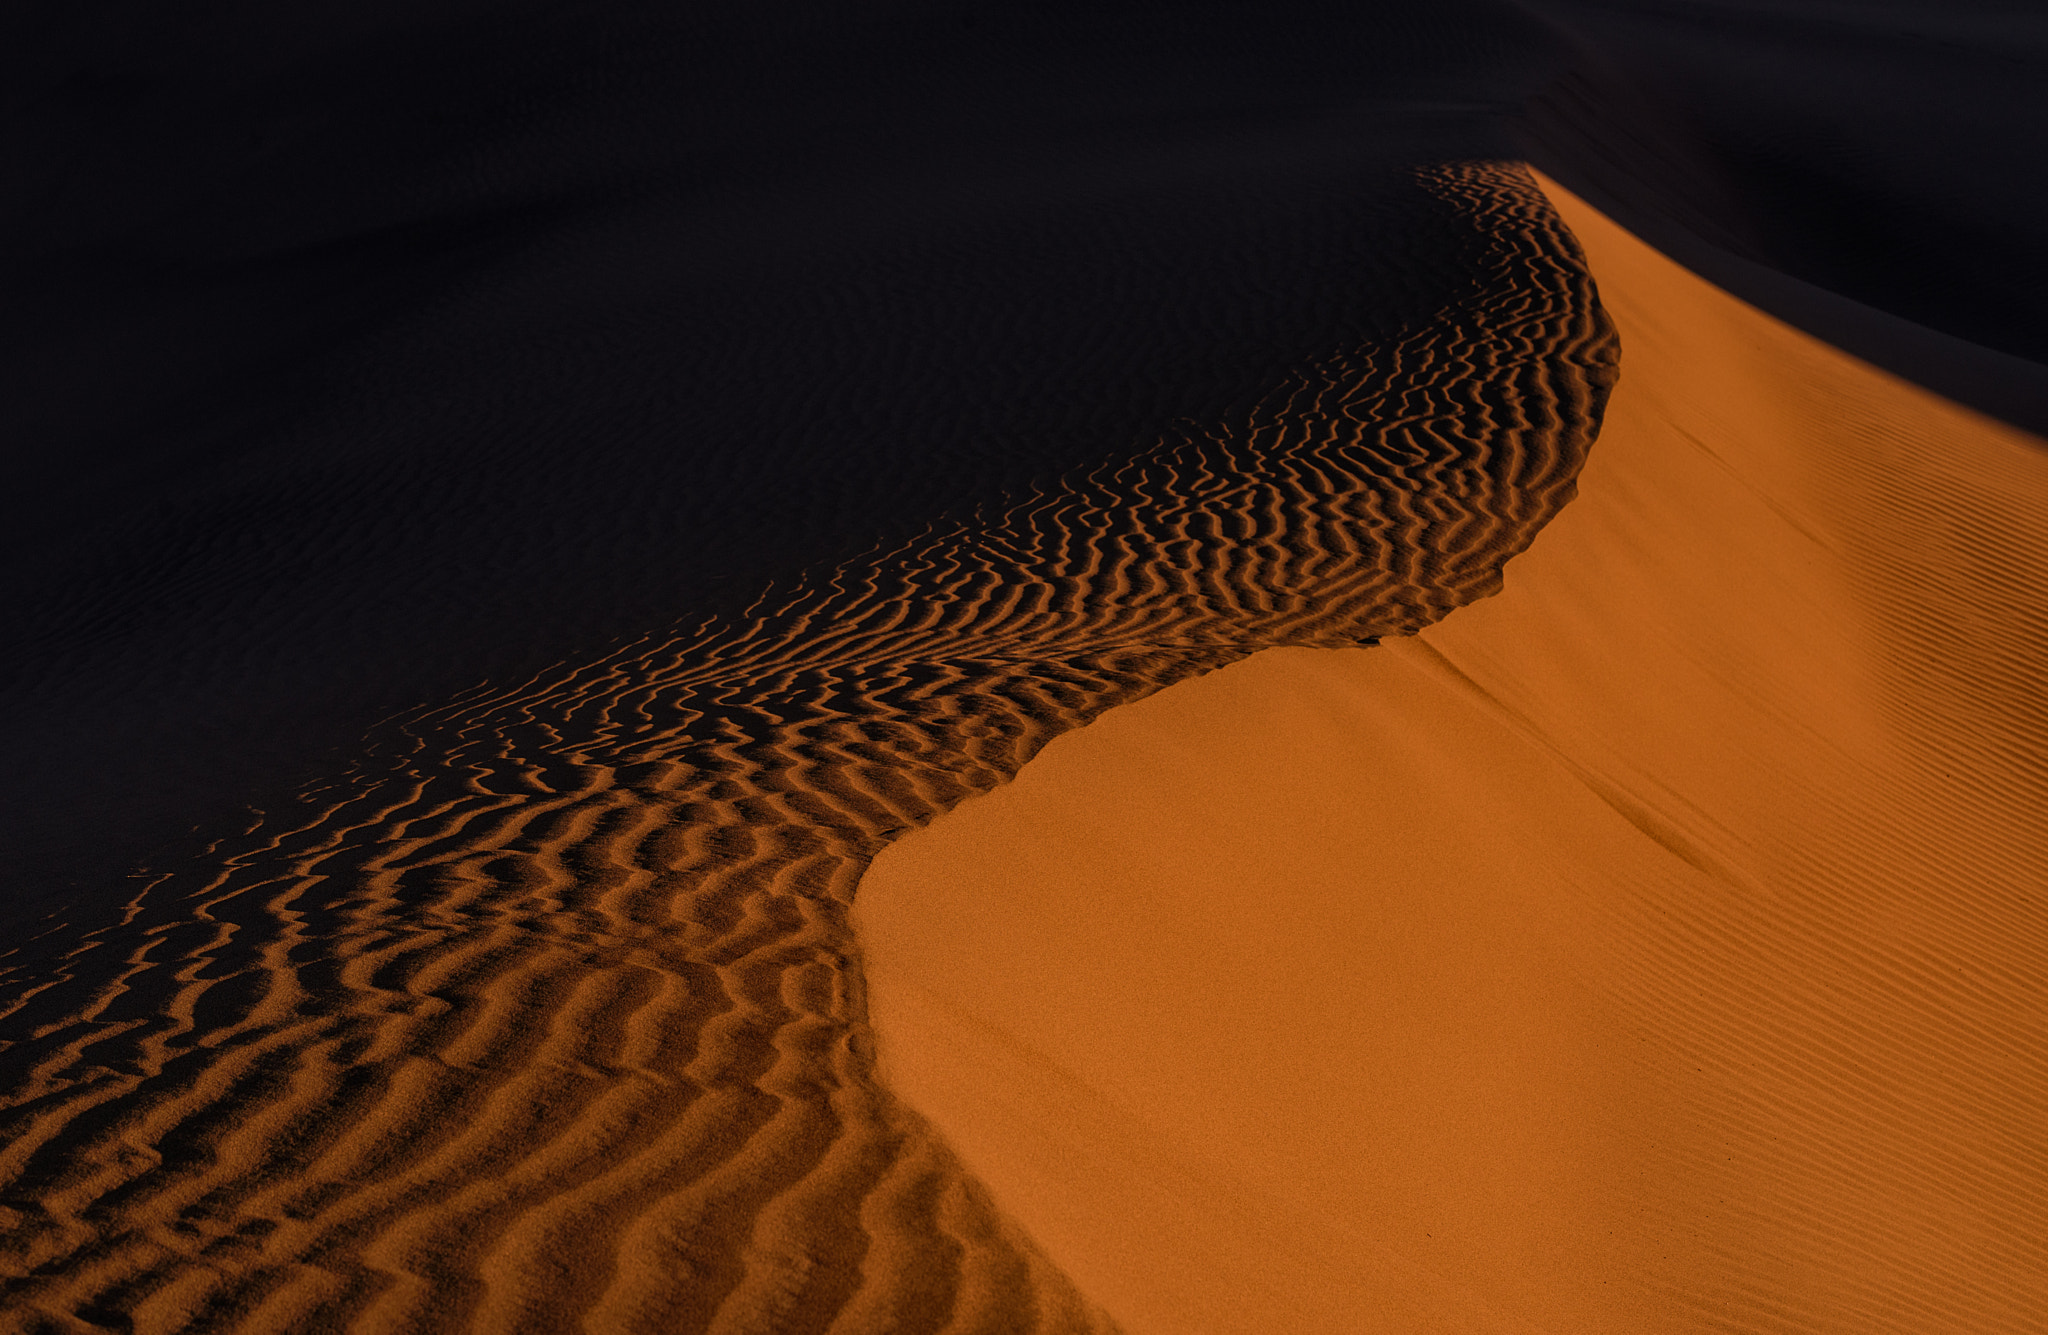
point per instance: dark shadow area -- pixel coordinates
(1862, 171)
(364, 353)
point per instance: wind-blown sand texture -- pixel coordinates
(1658, 945)
(548, 1011)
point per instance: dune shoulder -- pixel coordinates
(1657, 944)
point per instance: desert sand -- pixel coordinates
(1657, 945)
(513, 507)
(546, 1011)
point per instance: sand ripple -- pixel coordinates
(547, 1012)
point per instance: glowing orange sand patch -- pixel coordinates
(1658, 945)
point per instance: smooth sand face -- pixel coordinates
(1657, 945)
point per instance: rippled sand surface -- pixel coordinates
(548, 1011)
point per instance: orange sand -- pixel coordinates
(1659, 945)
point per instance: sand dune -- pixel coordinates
(1655, 946)
(548, 1012)
(718, 442)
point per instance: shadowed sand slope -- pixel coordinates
(1659, 945)
(1841, 166)
(547, 1014)
(361, 352)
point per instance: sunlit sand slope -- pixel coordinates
(1659, 945)
(548, 1016)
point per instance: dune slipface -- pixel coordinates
(1655, 946)
(548, 1010)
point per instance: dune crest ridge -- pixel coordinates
(548, 1013)
(1657, 945)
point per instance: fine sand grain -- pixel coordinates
(1659, 945)
(547, 1015)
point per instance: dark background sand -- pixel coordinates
(1873, 150)
(1851, 168)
